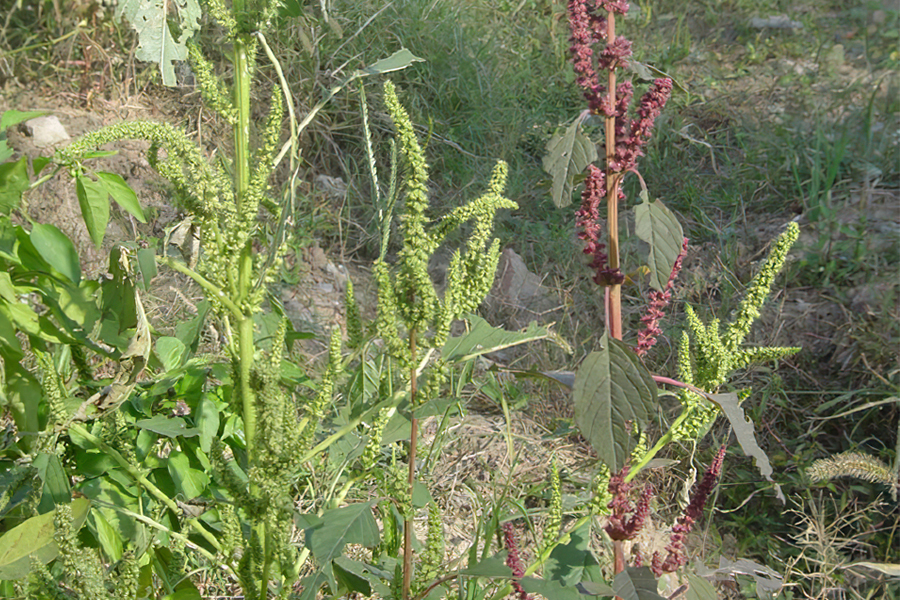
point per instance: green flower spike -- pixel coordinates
(717, 355)
(554, 517)
(409, 299)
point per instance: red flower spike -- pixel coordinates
(621, 526)
(675, 556)
(659, 300)
(513, 560)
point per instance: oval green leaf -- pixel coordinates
(58, 250)
(122, 193)
(33, 539)
(612, 387)
(93, 198)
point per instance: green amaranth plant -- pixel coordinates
(257, 468)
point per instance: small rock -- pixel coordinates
(317, 258)
(776, 22)
(325, 288)
(46, 131)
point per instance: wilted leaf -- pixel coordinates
(156, 43)
(743, 430)
(889, 569)
(398, 60)
(656, 225)
(766, 580)
(612, 387)
(33, 539)
(568, 154)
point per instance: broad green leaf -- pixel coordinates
(57, 249)
(56, 484)
(185, 593)
(167, 426)
(13, 182)
(23, 395)
(612, 387)
(91, 154)
(38, 164)
(567, 563)
(170, 351)
(377, 578)
(207, 422)
(25, 318)
(147, 265)
(14, 117)
(189, 331)
(554, 590)
(568, 154)
(189, 481)
(743, 430)
(156, 40)
(637, 584)
(20, 484)
(658, 226)
(493, 566)
(122, 193)
(33, 540)
(93, 198)
(8, 290)
(10, 347)
(483, 338)
(700, 589)
(78, 304)
(352, 524)
(109, 538)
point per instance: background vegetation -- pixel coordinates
(766, 125)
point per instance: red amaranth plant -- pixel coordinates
(675, 556)
(625, 138)
(514, 560)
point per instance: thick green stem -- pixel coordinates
(242, 128)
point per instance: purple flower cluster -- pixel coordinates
(626, 519)
(513, 560)
(659, 300)
(675, 556)
(590, 23)
(630, 147)
(587, 221)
